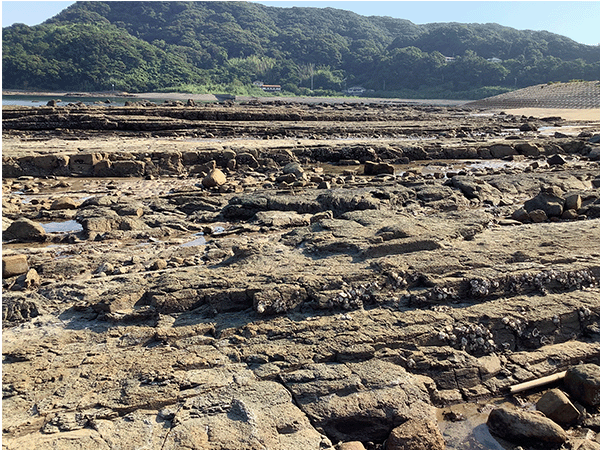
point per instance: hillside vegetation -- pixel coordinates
(225, 46)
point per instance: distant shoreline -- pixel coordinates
(214, 98)
(587, 115)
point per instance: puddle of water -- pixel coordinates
(200, 240)
(68, 226)
(430, 167)
(472, 433)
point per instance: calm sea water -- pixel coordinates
(42, 100)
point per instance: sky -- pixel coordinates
(577, 20)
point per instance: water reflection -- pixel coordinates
(68, 226)
(200, 240)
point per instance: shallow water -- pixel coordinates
(68, 226)
(42, 100)
(472, 433)
(200, 240)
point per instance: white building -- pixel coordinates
(356, 90)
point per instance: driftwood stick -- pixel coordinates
(537, 383)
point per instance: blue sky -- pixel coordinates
(574, 19)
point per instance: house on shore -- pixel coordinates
(267, 87)
(356, 90)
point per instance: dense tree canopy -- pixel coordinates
(140, 46)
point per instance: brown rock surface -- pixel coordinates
(267, 313)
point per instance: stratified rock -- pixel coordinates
(556, 406)
(416, 435)
(518, 426)
(528, 149)
(359, 401)
(583, 382)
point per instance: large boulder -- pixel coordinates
(25, 230)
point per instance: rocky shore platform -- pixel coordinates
(280, 275)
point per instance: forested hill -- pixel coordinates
(142, 46)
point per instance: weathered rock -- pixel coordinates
(25, 230)
(522, 426)
(359, 401)
(528, 126)
(538, 216)
(550, 203)
(528, 149)
(583, 383)
(573, 202)
(521, 215)
(556, 406)
(502, 150)
(416, 434)
(64, 203)
(214, 179)
(373, 168)
(557, 160)
(168, 359)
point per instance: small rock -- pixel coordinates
(573, 202)
(14, 265)
(556, 160)
(373, 168)
(528, 127)
(569, 214)
(32, 279)
(521, 215)
(416, 435)
(64, 203)
(215, 178)
(583, 382)
(538, 216)
(106, 268)
(556, 406)
(159, 264)
(518, 426)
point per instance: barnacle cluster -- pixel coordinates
(438, 294)
(585, 313)
(542, 281)
(354, 297)
(481, 287)
(526, 282)
(516, 325)
(396, 279)
(472, 338)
